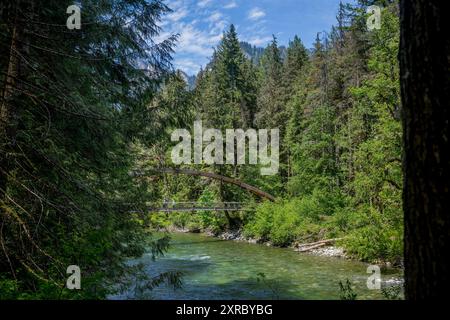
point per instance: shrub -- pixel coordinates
(285, 221)
(371, 243)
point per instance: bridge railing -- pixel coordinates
(196, 206)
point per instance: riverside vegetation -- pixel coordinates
(81, 109)
(338, 110)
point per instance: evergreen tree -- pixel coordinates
(73, 102)
(271, 111)
(226, 98)
(297, 57)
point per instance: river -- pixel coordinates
(216, 269)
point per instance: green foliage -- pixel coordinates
(284, 222)
(376, 241)
(347, 292)
(213, 221)
(345, 133)
(296, 59)
(86, 109)
(8, 289)
(392, 292)
(271, 105)
(338, 110)
(68, 138)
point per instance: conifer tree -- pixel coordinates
(296, 58)
(73, 104)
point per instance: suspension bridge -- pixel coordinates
(256, 191)
(173, 206)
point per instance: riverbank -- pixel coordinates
(325, 251)
(237, 270)
(328, 249)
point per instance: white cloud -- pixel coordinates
(195, 41)
(214, 17)
(175, 4)
(258, 41)
(256, 14)
(178, 15)
(217, 23)
(231, 5)
(204, 3)
(200, 29)
(187, 65)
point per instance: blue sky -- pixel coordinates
(201, 23)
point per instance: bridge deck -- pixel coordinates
(196, 206)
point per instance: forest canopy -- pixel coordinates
(82, 110)
(337, 107)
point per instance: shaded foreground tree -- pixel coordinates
(425, 82)
(73, 105)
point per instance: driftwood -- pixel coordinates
(314, 245)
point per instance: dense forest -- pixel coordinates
(83, 110)
(74, 105)
(338, 110)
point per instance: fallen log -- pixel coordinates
(314, 245)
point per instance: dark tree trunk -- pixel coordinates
(8, 121)
(425, 73)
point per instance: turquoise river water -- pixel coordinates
(229, 270)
